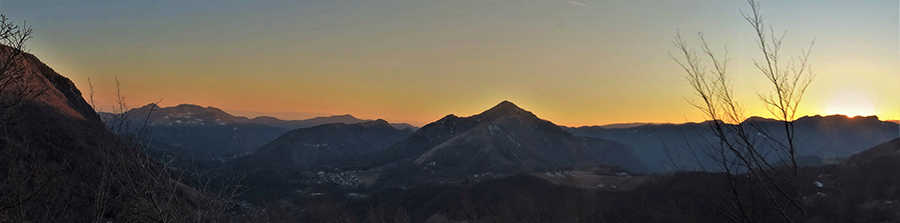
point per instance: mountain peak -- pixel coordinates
(148, 106)
(189, 106)
(504, 139)
(506, 104)
(759, 119)
(504, 107)
(380, 123)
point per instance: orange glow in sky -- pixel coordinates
(851, 104)
(571, 62)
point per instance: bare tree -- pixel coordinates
(22, 184)
(16, 85)
(158, 190)
(743, 150)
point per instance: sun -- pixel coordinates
(851, 104)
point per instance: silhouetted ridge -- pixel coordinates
(503, 109)
(839, 118)
(343, 116)
(759, 119)
(58, 154)
(826, 137)
(447, 118)
(59, 92)
(264, 119)
(189, 106)
(505, 105)
(148, 106)
(379, 123)
(890, 149)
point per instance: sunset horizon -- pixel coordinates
(292, 115)
(438, 111)
(590, 63)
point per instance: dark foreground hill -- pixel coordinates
(58, 162)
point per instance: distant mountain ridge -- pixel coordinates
(623, 125)
(202, 133)
(189, 114)
(826, 137)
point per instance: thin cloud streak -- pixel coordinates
(577, 3)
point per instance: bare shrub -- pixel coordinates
(744, 151)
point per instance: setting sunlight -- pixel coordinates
(851, 104)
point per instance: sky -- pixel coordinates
(584, 62)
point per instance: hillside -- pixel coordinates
(305, 147)
(60, 164)
(861, 190)
(502, 140)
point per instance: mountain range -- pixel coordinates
(671, 147)
(188, 114)
(202, 133)
(502, 141)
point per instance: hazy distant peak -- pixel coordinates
(627, 125)
(191, 108)
(871, 118)
(180, 107)
(151, 105)
(379, 123)
(343, 116)
(373, 124)
(188, 106)
(836, 117)
(259, 118)
(758, 119)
